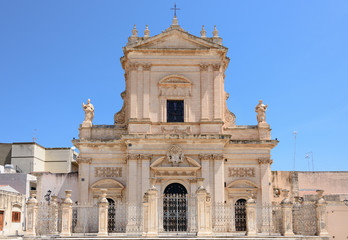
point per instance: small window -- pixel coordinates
(175, 110)
(16, 216)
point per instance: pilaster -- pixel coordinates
(265, 178)
(83, 181)
(217, 92)
(146, 91)
(140, 89)
(204, 92)
(219, 178)
(133, 91)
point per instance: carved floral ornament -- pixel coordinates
(265, 161)
(108, 172)
(210, 156)
(139, 157)
(241, 172)
(139, 66)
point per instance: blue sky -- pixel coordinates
(54, 55)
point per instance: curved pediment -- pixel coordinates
(242, 183)
(108, 184)
(174, 80)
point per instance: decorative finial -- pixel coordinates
(134, 31)
(215, 32)
(203, 32)
(147, 32)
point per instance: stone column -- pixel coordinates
(54, 215)
(103, 214)
(266, 192)
(251, 216)
(146, 91)
(67, 215)
(145, 173)
(204, 218)
(321, 215)
(32, 208)
(286, 205)
(219, 178)
(204, 92)
(217, 92)
(150, 205)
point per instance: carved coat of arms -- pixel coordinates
(175, 155)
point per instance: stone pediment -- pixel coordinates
(175, 39)
(241, 187)
(175, 164)
(114, 188)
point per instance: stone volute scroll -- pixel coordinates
(260, 109)
(230, 118)
(89, 113)
(120, 117)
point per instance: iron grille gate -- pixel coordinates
(175, 212)
(240, 215)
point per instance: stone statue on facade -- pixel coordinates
(261, 112)
(89, 113)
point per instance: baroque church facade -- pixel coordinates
(175, 134)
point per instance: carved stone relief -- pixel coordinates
(265, 161)
(175, 155)
(203, 67)
(241, 172)
(176, 129)
(210, 156)
(108, 172)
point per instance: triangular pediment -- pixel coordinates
(175, 39)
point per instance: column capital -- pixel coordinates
(132, 66)
(80, 160)
(203, 67)
(216, 67)
(147, 67)
(211, 156)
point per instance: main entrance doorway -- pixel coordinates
(111, 215)
(175, 208)
(240, 215)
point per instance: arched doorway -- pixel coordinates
(175, 208)
(111, 215)
(240, 215)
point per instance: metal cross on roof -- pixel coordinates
(175, 9)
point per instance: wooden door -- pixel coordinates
(1, 220)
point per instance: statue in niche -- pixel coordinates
(89, 113)
(261, 112)
(175, 155)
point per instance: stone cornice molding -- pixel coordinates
(265, 161)
(203, 67)
(81, 160)
(210, 156)
(139, 157)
